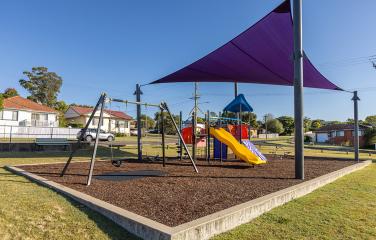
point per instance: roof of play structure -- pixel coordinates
(261, 54)
(239, 104)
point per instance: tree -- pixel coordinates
(228, 115)
(200, 120)
(1, 101)
(10, 92)
(287, 123)
(350, 121)
(250, 118)
(81, 105)
(371, 120)
(147, 121)
(169, 126)
(247, 117)
(370, 136)
(274, 126)
(316, 124)
(43, 85)
(62, 107)
(307, 122)
(267, 117)
(331, 122)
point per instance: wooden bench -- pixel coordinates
(52, 142)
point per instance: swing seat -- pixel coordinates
(116, 163)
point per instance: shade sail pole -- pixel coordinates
(139, 132)
(356, 126)
(298, 89)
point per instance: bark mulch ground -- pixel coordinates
(175, 194)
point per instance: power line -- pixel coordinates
(349, 62)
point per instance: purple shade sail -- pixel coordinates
(261, 54)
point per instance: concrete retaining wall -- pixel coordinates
(202, 228)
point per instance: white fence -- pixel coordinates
(270, 135)
(15, 132)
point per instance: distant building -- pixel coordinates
(19, 111)
(113, 121)
(340, 134)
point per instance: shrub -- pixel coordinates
(308, 139)
(120, 135)
(370, 137)
(76, 125)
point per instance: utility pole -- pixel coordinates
(298, 89)
(356, 126)
(266, 126)
(196, 97)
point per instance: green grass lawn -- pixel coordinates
(28, 211)
(344, 209)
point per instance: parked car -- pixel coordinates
(91, 134)
(133, 132)
(153, 131)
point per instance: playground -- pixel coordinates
(213, 166)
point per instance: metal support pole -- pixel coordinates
(194, 123)
(249, 126)
(220, 143)
(165, 107)
(83, 132)
(194, 137)
(139, 132)
(10, 134)
(298, 89)
(208, 135)
(240, 123)
(180, 129)
(356, 126)
(163, 138)
(96, 143)
(236, 89)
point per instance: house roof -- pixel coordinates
(88, 110)
(337, 127)
(20, 103)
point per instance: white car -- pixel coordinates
(133, 132)
(91, 134)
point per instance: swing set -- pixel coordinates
(163, 107)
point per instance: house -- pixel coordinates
(19, 111)
(113, 121)
(340, 134)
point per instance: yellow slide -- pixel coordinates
(239, 149)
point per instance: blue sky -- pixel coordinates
(110, 46)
